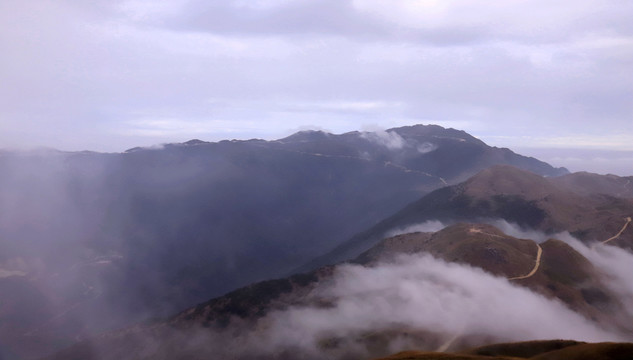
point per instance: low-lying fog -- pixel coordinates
(419, 294)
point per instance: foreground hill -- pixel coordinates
(563, 273)
(109, 239)
(588, 210)
(552, 268)
(356, 311)
(537, 350)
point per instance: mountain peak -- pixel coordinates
(194, 142)
(306, 136)
(434, 131)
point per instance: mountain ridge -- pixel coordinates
(118, 237)
(504, 192)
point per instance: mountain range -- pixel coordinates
(92, 242)
(589, 206)
(367, 307)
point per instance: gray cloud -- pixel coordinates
(329, 17)
(113, 75)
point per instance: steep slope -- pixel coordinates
(228, 324)
(113, 238)
(517, 196)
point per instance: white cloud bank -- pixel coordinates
(414, 293)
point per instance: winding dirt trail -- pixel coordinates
(539, 252)
(479, 231)
(626, 224)
(449, 342)
(537, 264)
(8, 273)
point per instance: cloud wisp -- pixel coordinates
(427, 226)
(389, 139)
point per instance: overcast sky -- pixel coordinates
(108, 75)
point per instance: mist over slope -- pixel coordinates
(449, 290)
(91, 241)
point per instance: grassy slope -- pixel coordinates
(504, 192)
(563, 274)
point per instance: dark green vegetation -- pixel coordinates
(536, 350)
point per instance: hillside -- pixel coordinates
(585, 183)
(563, 273)
(111, 239)
(537, 350)
(529, 200)
(238, 320)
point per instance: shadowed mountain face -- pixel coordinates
(344, 312)
(107, 239)
(588, 210)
